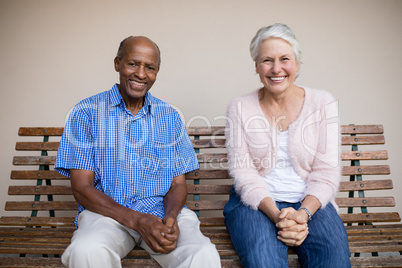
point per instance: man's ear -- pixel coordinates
(116, 64)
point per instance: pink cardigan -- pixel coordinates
(314, 147)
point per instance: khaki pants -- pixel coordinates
(101, 242)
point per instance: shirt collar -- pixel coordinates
(149, 102)
(115, 96)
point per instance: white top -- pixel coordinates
(283, 182)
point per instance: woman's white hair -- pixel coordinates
(278, 30)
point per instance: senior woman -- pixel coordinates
(283, 150)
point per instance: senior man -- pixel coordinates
(127, 153)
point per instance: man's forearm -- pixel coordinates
(96, 201)
(176, 197)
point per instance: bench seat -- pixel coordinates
(38, 240)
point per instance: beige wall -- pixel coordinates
(55, 53)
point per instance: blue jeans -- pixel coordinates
(254, 237)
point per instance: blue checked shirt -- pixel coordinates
(134, 158)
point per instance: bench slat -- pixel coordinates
(342, 202)
(44, 248)
(212, 221)
(58, 248)
(208, 189)
(208, 143)
(373, 155)
(205, 221)
(66, 190)
(374, 228)
(72, 205)
(207, 174)
(52, 174)
(370, 217)
(365, 202)
(15, 240)
(362, 129)
(42, 232)
(206, 131)
(362, 140)
(40, 205)
(201, 131)
(212, 158)
(198, 174)
(30, 262)
(366, 170)
(53, 146)
(37, 146)
(380, 246)
(47, 248)
(202, 157)
(375, 237)
(197, 189)
(40, 190)
(41, 246)
(40, 131)
(206, 205)
(355, 233)
(346, 140)
(34, 160)
(346, 186)
(36, 174)
(37, 221)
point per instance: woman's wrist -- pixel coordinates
(307, 212)
(269, 208)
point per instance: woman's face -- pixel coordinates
(276, 64)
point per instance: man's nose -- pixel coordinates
(140, 72)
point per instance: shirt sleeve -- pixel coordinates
(76, 149)
(185, 157)
(324, 178)
(248, 183)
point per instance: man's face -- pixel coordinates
(138, 67)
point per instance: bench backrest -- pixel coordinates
(208, 187)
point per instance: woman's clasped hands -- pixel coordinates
(292, 225)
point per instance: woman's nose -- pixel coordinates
(276, 67)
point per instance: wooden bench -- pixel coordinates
(40, 238)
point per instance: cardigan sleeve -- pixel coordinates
(324, 178)
(248, 183)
